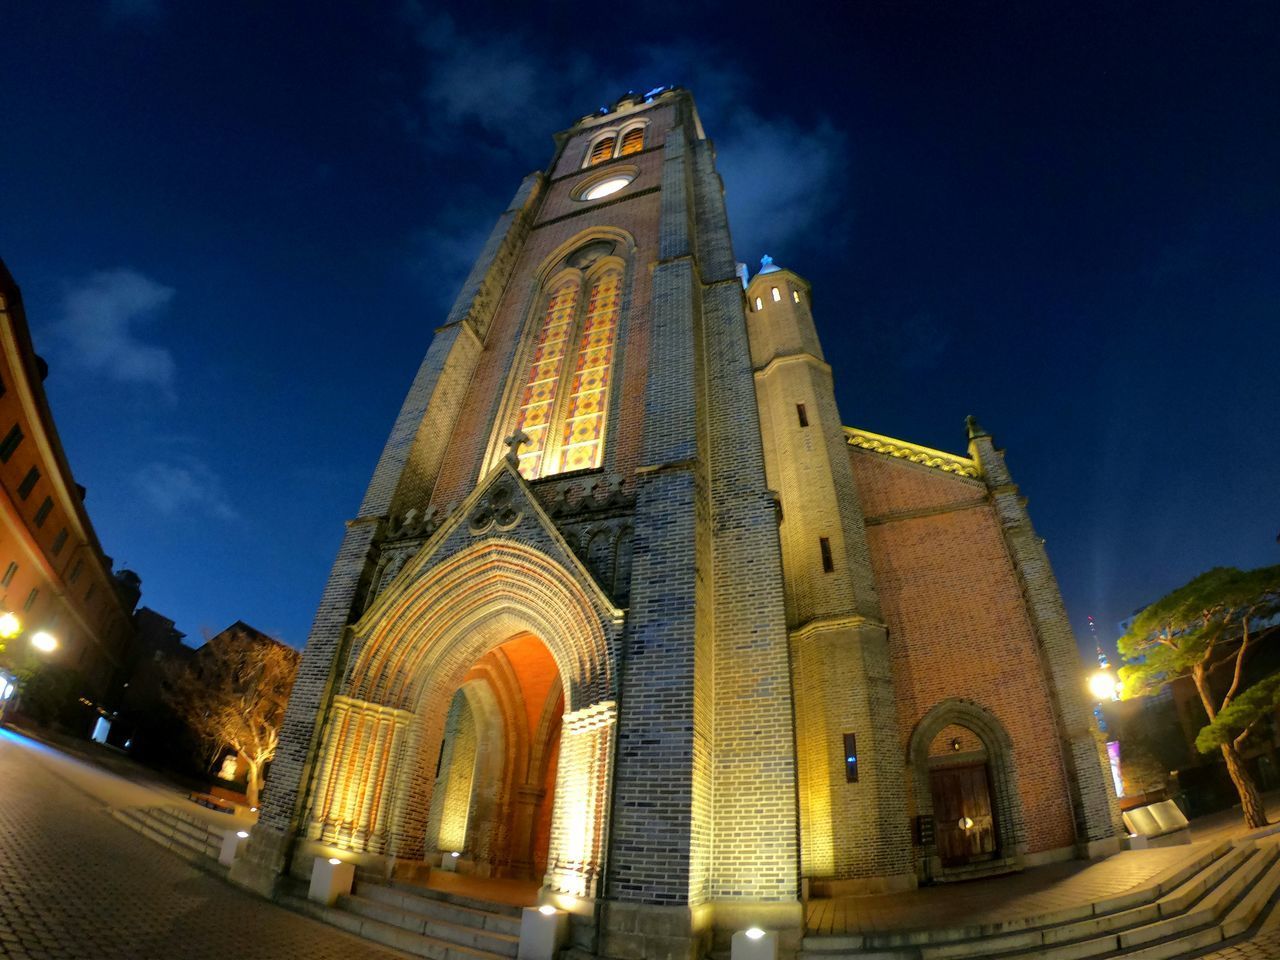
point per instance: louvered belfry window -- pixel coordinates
(565, 400)
(603, 150)
(632, 141)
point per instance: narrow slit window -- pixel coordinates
(602, 151)
(75, 571)
(759, 304)
(828, 565)
(851, 758)
(795, 295)
(28, 483)
(43, 513)
(8, 574)
(777, 297)
(31, 599)
(632, 141)
(802, 415)
(59, 541)
(10, 443)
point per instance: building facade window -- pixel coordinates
(8, 575)
(777, 297)
(10, 443)
(802, 415)
(43, 513)
(31, 598)
(828, 564)
(59, 541)
(28, 483)
(564, 403)
(632, 141)
(612, 145)
(795, 295)
(75, 571)
(602, 151)
(759, 304)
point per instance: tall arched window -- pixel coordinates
(537, 402)
(565, 401)
(632, 141)
(602, 151)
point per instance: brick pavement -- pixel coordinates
(74, 883)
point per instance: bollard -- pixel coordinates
(543, 932)
(330, 879)
(233, 842)
(754, 944)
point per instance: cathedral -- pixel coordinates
(628, 614)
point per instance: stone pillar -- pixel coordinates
(753, 854)
(661, 809)
(1093, 801)
(581, 811)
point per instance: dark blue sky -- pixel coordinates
(236, 226)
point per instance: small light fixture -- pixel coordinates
(44, 641)
(547, 910)
(242, 834)
(955, 743)
(455, 854)
(253, 809)
(334, 861)
(755, 933)
(966, 823)
(10, 625)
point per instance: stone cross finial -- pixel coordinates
(766, 261)
(514, 442)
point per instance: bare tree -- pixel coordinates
(233, 694)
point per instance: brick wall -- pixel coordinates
(958, 623)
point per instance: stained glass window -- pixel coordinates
(602, 151)
(632, 141)
(582, 435)
(537, 402)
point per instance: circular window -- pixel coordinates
(606, 187)
(604, 183)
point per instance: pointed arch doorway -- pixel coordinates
(510, 628)
(494, 789)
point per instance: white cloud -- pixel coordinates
(97, 328)
(184, 488)
(783, 178)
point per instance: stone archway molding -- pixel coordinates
(1007, 801)
(473, 586)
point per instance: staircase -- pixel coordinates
(190, 837)
(1218, 895)
(423, 922)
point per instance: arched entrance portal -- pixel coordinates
(966, 794)
(479, 680)
(495, 775)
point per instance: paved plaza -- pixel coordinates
(74, 883)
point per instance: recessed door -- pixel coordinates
(963, 821)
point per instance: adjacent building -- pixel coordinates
(629, 612)
(54, 578)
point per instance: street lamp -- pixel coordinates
(44, 641)
(10, 626)
(1104, 686)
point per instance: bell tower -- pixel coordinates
(851, 774)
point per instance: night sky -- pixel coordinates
(236, 225)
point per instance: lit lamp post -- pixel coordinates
(42, 641)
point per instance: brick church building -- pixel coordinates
(630, 614)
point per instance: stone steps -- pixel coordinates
(188, 836)
(422, 922)
(1216, 896)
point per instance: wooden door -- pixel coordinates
(963, 821)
